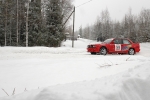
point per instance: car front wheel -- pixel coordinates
(103, 51)
(131, 51)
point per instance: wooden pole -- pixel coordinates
(73, 28)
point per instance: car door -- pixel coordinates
(125, 45)
(115, 46)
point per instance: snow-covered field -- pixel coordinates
(66, 73)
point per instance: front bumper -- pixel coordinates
(92, 50)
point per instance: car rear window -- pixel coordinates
(126, 41)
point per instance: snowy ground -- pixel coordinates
(66, 73)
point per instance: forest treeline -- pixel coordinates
(33, 22)
(42, 23)
(135, 27)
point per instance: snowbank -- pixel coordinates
(66, 73)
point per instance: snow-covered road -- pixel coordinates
(70, 73)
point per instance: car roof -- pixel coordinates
(118, 38)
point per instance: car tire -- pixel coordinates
(131, 51)
(103, 51)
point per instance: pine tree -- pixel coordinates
(34, 22)
(54, 23)
(22, 21)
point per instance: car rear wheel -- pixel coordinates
(131, 51)
(103, 51)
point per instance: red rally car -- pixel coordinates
(114, 45)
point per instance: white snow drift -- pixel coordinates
(66, 73)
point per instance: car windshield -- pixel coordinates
(108, 41)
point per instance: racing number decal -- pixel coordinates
(117, 47)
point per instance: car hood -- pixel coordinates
(99, 43)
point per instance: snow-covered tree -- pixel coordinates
(2, 23)
(35, 17)
(54, 14)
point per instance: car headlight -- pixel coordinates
(91, 46)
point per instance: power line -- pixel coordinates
(84, 3)
(73, 12)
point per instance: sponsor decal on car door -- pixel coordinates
(126, 45)
(117, 47)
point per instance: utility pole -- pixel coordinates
(73, 12)
(73, 27)
(27, 23)
(74, 20)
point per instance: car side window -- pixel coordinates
(126, 41)
(117, 41)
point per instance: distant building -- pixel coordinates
(69, 37)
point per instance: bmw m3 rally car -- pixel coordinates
(114, 45)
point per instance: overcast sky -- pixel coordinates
(87, 13)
